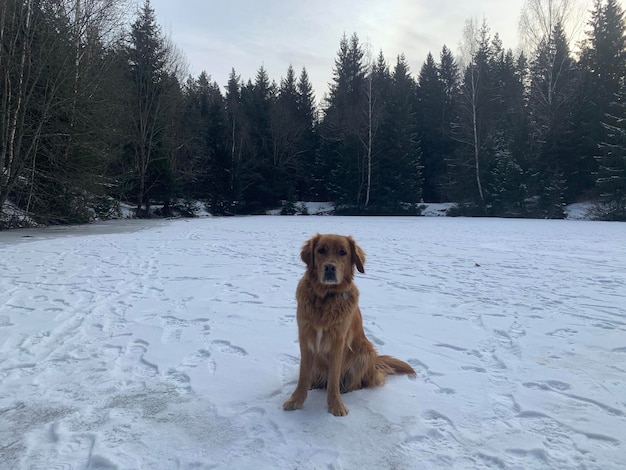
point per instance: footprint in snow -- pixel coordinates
(562, 388)
(146, 369)
(137, 349)
(373, 338)
(440, 427)
(548, 385)
(171, 335)
(135, 352)
(229, 348)
(562, 332)
(193, 361)
(287, 320)
(422, 369)
(450, 346)
(475, 369)
(437, 419)
(179, 378)
(62, 302)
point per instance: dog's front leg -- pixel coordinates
(335, 403)
(297, 398)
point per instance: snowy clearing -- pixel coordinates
(173, 344)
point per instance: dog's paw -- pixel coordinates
(293, 404)
(338, 408)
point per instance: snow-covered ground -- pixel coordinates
(172, 345)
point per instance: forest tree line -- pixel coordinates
(93, 113)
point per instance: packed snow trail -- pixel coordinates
(173, 344)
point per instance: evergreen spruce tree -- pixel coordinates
(308, 185)
(343, 127)
(603, 60)
(292, 132)
(258, 171)
(611, 180)
(604, 52)
(403, 175)
(448, 115)
(552, 104)
(206, 164)
(505, 143)
(286, 132)
(152, 90)
(431, 97)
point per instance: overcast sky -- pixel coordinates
(217, 36)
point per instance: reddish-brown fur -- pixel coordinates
(335, 354)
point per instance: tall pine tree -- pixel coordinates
(603, 60)
(402, 174)
(342, 153)
(206, 165)
(152, 89)
(551, 104)
(431, 96)
(450, 88)
(308, 186)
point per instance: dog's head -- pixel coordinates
(331, 259)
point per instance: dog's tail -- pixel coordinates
(392, 366)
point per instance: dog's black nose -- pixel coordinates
(330, 274)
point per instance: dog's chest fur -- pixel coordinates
(318, 315)
(322, 311)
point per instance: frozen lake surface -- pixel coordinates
(173, 344)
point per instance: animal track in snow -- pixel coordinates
(422, 369)
(437, 418)
(481, 370)
(180, 379)
(561, 388)
(562, 332)
(548, 385)
(229, 348)
(450, 346)
(196, 359)
(469, 352)
(373, 338)
(287, 319)
(135, 353)
(171, 335)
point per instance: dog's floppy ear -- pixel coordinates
(308, 249)
(358, 255)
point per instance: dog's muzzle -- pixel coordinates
(330, 274)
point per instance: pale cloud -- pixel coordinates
(217, 36)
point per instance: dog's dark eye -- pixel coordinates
(321, 251)
(342, 252)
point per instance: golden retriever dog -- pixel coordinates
(334, 352)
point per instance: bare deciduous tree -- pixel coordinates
(470, 45)
(539, 18)
(51, 51)
(155, 67)
(369, 117)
